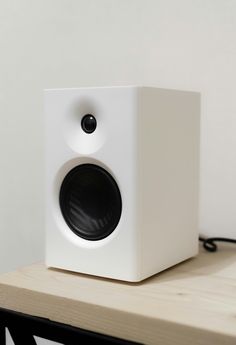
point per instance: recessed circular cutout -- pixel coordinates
(90, 201)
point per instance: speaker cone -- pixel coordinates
(90, 202)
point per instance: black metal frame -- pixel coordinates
(23, 327)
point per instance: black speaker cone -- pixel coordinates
(90, 201)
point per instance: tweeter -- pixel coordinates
(88, 123)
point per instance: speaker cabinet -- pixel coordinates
(122, 166)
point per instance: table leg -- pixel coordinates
(2, 335)
(21, 337)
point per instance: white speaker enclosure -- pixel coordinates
(148, 140)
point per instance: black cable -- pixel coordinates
(210, 245)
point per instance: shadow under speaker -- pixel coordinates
(122, 172)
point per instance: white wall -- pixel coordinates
(67, 43)
(180, 44)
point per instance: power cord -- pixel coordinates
(210, 245)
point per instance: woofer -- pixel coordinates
(90, 201)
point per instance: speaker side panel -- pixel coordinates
(168, 148)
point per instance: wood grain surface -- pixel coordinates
(191, 303)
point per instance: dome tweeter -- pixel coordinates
(88, 123)
(122, 176)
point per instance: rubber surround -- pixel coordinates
(90, 202)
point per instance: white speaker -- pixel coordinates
(122, 171)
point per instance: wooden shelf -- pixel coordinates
(191, 303)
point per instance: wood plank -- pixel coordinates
(191, 303)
